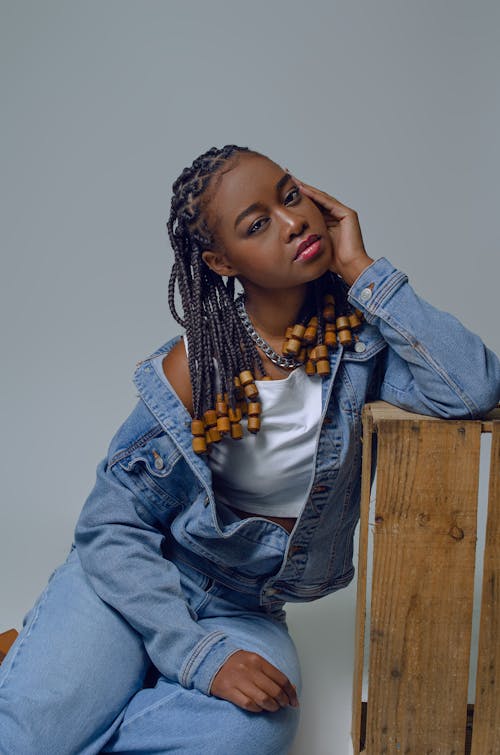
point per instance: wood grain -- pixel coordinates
(422, 585)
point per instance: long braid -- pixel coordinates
(220, 348)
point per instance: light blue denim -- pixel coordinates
(78, 678)
(151, 516)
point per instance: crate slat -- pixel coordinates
(486, 729)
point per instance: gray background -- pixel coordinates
(392, 107)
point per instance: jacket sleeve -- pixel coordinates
(119, 540)
(434, 365)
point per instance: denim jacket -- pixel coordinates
(152, 511)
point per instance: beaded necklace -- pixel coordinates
(304, 344)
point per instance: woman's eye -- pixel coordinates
(292, 195)
(257, 225)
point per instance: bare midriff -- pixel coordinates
(287, 522)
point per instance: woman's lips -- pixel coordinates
(310, 248)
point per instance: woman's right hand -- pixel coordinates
(249, 681)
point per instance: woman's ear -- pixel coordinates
(217, 262)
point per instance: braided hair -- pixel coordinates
(220, 348)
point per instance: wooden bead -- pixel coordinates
(215, 435)
(236, 431)
(234, 414)
(266, 377)
(342, 322)
(251, 390)
(199, 445)
(323, 367)
(246, 377)
(331, 338)
(298, 331)
(292, 346)
(197, 427)
(354, 321)
(302, 355)
(253, 424)
(220, 406)
(208, 439)
(329, 313)
(328, 299)
(310, 368)
(311, 334)
(243, 407)
(238, 390)
(345, 337)
(330, 335)
(311, 331)
(223, 424)
(210, 417)
(320, 352)
(254, 408)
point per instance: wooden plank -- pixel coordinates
(422, 585)
(6, 640)
(486, 731)
(359, 639)
(381, 410)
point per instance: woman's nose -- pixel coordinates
(293, 225)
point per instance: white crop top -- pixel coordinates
(269, 472)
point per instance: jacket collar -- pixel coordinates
(165, 405)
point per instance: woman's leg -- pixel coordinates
(71, 671)
(168, 718)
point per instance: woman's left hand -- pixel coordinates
(349, 257)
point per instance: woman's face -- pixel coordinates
(259, 219)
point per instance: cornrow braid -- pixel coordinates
(223, 358)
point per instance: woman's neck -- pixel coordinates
(271, 312)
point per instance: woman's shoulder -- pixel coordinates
(176, 370)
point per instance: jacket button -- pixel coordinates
(365, 294)
(158, 462)
(359, 346)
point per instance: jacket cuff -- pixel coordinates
(205, 661)
(374, 286)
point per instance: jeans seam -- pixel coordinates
(149, 708)
(27, 634)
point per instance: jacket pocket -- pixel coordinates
(156, 465)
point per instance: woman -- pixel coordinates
(219, 498)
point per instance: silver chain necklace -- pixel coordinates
(280, 359)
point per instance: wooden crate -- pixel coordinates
(424, 552)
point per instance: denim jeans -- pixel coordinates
(78, 681)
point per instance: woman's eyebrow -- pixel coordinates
(258, 205)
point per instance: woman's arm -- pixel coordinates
(434, 364)
(119, 542)
(119, 537)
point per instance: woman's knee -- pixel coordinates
(170, 718)
(73, 667)
(265, 733)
